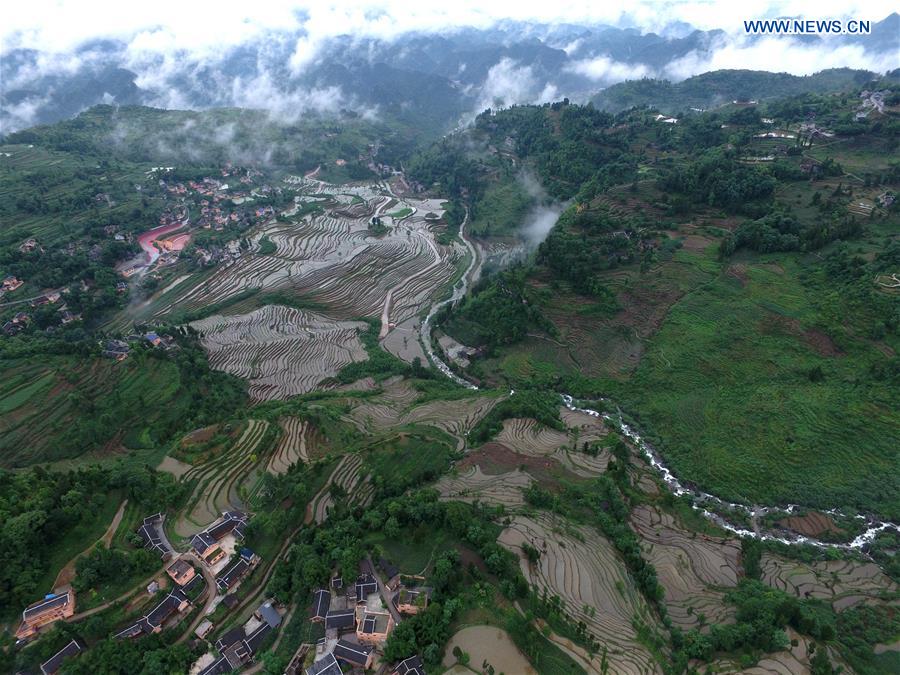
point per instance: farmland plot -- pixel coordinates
(346, 475)
(843, 583)
(694, 569)
(332, 258)
(583, 569)
(456, 418)
(217, 481)
(281, 351)
(297, 438)
(473, 485)
(528, 437)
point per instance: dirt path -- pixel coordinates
(211, 593)
(67, 573)
(99, 608)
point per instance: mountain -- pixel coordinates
(723, 86)
(434, 80)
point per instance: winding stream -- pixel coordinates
(701, 500)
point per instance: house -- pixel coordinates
(337, 583)
(321, 603)
(341, 619)
(176, 601)
(411, 666)
(269, 614)
(231, 576)
(411, 600)
(118, 350)
(68, 317)
(229, 638)
(354, 654)
(153, 339)
(121, 287)
(149, 531)
(365, 586)
(327, 665)
(374, 627)
(21, 318)
(237, 647)
(205, 543)
(46, 611)
(11, 284)
(11, 328)
(218, 667)
(203, 629)
(54, 663)
(181, 571)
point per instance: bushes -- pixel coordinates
(104, 565)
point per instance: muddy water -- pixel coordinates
(487, 643)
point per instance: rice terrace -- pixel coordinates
(451, 352)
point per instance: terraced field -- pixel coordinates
(281, 351)
(582, 568)
(346, 475)
(297, 438)
(843, 583)
(217, 482)
(694, 569)
(396, 407)
(528, 437)
(331, 257)
(473, 485)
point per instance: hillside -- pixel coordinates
(719, 87)
(723, 279)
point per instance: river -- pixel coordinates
(701, 500)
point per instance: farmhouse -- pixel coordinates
(321, 603)
(206, 543)
(391, 573)
(341, 619)
(181, 571)
(357, 655)
(237, 646)
(411, 666)
(11, 284)
(373, 627)
(150, 530)
(411, 600)
(327, 665)
(174, 602)
(54, 663)
(232, 575)
(46, 611)
(365, 586)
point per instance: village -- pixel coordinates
(357, 615)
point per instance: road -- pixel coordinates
(211, 592)
(382, 589)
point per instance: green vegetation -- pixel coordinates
(49, 517)
(502, 210)
(61, 399)
(540, 405)
(408, 460)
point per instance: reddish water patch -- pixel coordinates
(147, 239)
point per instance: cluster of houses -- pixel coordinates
(114, 348)
(236, 647)
(16, 324)
(360, 616)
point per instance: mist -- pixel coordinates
(543, 215)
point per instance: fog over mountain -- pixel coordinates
(435, 66)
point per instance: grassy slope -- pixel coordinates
(715, 357)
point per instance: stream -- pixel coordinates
(700, 500)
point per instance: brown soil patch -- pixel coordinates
(495, 458)
(739, 272)
(696, 242)
(820, 342)
(813, 524)
(199, 435)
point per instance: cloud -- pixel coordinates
(605, 69)
(777, 54)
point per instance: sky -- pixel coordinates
(201, 25)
